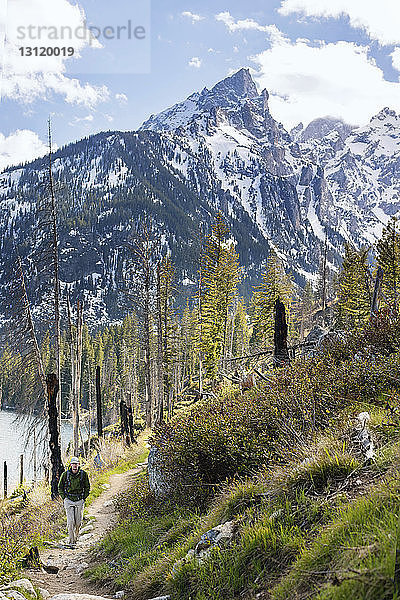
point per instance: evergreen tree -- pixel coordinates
(220, 274)
(354, 294)
(388, 258)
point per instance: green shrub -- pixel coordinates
(236, 434)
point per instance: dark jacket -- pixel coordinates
(74, 486)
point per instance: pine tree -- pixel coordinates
(354, 294)
(388, 258)
(220, 274)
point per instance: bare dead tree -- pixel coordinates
(141, 289)
(53, 214)
(75, 339)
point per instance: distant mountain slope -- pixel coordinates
(219, 150)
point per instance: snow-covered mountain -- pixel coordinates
(219, 150)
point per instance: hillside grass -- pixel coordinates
(323, 528)
(314, 520)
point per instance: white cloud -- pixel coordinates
(396, 59)
(380, 19)
(309, 81)
(30, 23)
(195, 62)
(195, 18)
(246, 25)
(122, 98)
(87, 119)
(20, 146)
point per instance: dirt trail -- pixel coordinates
(101, 516)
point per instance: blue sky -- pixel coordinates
(315, 57)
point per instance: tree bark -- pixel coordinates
(281, 353)
(56, 277)
(98, 402)
(57, 467)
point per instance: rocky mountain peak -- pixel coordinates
(321, 127)
(240, 83)
(231, 92)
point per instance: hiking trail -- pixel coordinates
(99, 518)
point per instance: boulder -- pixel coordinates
(159, 482)
(87, 529)
(220, 536)
(72, 596)
(23, 586)
(44, 594)
(14, 595)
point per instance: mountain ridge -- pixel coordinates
(218, 150)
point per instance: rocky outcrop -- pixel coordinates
(220, 536)
(159, 482)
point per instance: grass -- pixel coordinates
(117, 459)
(305, 530)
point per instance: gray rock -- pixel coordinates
(14, 595)
(87, 529)
(219, 536)
(44, 594)
(161, 598)
(77, 597)
(119, 594)
(84, 538)
(24, 586)
(159, 481)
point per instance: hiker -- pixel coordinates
(74, 488)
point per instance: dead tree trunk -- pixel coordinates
(125, 433)
(98, 403)
(324, 282)
(281, 353)
(377, 294)
(76, 371)
(130, 418)
(56, 277)
(160, 362)
(57, 467)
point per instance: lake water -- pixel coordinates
(12, 445)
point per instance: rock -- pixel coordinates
(51, 569)
(220, 536)
(363, 436)
(159, 481)
(84, 538)
(24, 586)
(108, 503)
(87, 529)
(161, 598)
(105, 486)
(72, 596)
(14, 595)
(120, 594)
(275, 515)
(44, 594)
(81, 568)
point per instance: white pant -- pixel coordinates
(74, 512)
